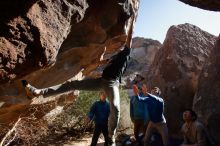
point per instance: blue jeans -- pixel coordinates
(110, 86)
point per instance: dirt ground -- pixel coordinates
(85, 141)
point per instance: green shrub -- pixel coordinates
(87, 98)
(73, 118)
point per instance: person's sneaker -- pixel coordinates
(31, 91)
(111, 142)
(132, 139)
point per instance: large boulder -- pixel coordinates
(33, 32)
(48, 42)
(213, 5)
(207, 98)
(176, 68)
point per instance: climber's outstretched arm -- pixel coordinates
(130, 33)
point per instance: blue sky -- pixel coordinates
(156, 16)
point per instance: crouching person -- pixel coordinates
(194, 132)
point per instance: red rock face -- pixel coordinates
(32, 33)
(50, 41)
(176, 68)
(213, 5)
(207, 98)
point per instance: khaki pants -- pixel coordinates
(159, 127)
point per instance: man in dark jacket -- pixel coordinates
(99, 113)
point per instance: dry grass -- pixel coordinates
(26, 130)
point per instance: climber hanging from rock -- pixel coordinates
(109, 82)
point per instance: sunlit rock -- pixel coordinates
(207, 98)
(48, 42)
(176, 68)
